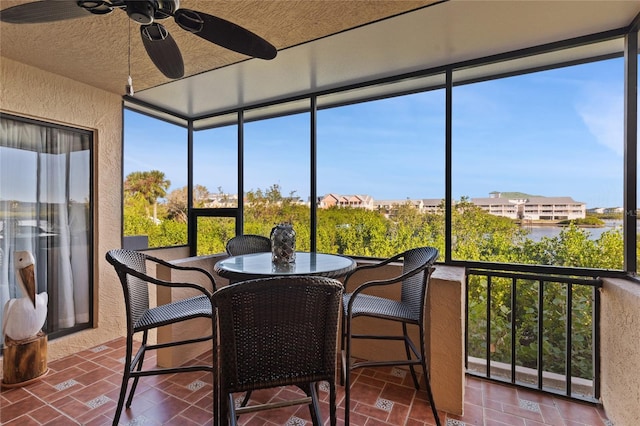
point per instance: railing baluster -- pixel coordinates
(488, 335)
(540, 331)
(466, 321)
(514, 313)
(595, 332)
(569, 348)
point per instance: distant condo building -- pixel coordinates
(432, 205)
(221, 200)
(520, 206)
(532, 207)
(424, 205)
(523, 208)
(356, 201)
(606, 210)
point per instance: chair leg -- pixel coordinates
(427, 380)
(215, 362)
(245, 400)
(314, 407)
(342, 346)
(138, 367)
(333, 418)
(229, 412)
(430, 394)
(408, 351)
(216, 400)
(125, 380)
(123, 392)
(347, 371)
(224, 408)
(232, 405)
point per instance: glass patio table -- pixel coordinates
(259, 265)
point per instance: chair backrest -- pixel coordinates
(277, 331)
(414, 288)
(248, 243)
(136, 290)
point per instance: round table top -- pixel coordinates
(259, 265)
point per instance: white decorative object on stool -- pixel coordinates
(25, 345)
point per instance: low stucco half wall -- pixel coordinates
(194, 328)
(620, 351)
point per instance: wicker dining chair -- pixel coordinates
(131, 269)
(276, 332)
(417, 265)
(248, 243)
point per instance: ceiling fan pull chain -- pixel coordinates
(129, 86)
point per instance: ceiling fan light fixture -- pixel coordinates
(154, 32)
(189, 20)
(97, 7)
(165, 8)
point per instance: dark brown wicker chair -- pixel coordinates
(248, 243)
(274, 332)
(131, 269)
(417, 265)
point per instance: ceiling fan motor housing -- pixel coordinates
(145, 12)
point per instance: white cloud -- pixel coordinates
(602, 112)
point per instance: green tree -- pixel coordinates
(213, 233)
(265, 209)
(151, 185)
(177, 201)
(480, 236)
(574, 247)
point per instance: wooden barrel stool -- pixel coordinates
(24, 361)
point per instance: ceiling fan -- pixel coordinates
(159, 44)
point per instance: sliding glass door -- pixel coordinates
(46, 210)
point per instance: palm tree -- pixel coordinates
(151, 185)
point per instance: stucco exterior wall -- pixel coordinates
(30, 92)
(620, 351)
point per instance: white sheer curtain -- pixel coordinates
(44, 208)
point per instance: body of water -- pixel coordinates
(537, 232)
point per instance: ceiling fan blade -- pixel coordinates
(224, 33)
(162, 50)
(42, 11)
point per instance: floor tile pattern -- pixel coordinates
(82, 389)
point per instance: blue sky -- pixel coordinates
(552, 133)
